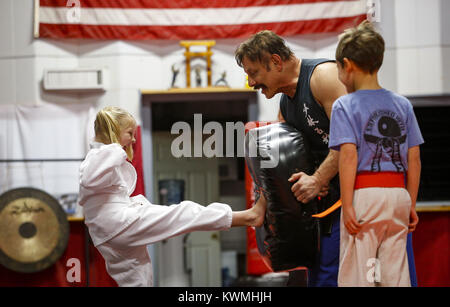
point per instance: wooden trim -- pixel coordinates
(433, 209)
(75, 219)
(197, 90)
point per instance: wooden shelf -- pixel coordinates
(433, 206)
(198, 90)
(75, 219)
(433, 209)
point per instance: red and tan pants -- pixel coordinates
(376, 256)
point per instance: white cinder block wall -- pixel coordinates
(420, 34)
(23, 59)
(417, 58)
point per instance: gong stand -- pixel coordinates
(24, 213)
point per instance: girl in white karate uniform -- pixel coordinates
(122, 226)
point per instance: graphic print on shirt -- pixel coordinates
(384, 133)
(312, 123)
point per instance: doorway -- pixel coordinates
(219, 178)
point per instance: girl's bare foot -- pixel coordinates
(258, 212)
(253, 217)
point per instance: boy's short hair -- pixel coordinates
(260, 46)
(363, 45)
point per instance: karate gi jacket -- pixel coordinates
(121, 226)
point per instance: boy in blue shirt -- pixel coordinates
(378, 137)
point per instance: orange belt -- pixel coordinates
(329, 210)
(370, 180)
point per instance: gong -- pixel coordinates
(33, 230)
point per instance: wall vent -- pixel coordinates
(74, 79)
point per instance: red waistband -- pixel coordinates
(379, 180)
(370, 180)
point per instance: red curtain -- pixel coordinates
(138, 164)
(55, 276)
(255, 262)
(431, 244)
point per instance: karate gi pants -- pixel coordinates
(377, 255)
(126, 255)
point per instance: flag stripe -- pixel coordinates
(192, 19)
(210, 16)
(196, 32)
(175, 4)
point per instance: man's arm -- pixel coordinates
(326, 88)
(280, 117)
(308, 187)
(328, 169)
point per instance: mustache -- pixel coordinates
(259, 86)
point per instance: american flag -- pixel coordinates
(192, 19)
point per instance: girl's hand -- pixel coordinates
(350, 222)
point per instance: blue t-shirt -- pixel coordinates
(381, 123)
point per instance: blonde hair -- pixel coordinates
(363, 45)
(109, 123)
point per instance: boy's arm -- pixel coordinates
(348, 163)
(412, 183)
(413, 174)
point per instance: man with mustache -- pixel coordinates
(309, 87)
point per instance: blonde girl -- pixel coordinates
(122, 226)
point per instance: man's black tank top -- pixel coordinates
(308, 116)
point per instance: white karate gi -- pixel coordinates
(122, 226)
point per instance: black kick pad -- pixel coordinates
(289, 237)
